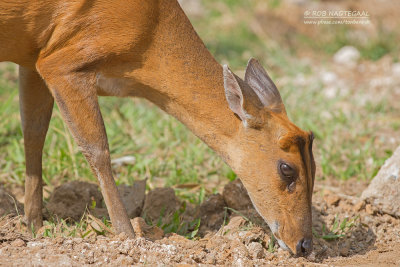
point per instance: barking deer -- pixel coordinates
(72, 51)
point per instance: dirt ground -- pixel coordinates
(373, 240)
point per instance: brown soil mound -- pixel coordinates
(369, 239)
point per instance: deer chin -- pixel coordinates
(274, 229)
(283, 245)
(274, 226)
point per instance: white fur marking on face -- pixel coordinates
(274, 227)
(282, 244)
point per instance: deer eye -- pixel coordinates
(287, 170)
(288, 174)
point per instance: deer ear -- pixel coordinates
(258, 79)
(241, 98)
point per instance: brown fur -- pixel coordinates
(72, 51)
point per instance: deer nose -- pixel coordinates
(304, 247)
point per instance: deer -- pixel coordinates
(72, 52)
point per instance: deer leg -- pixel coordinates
(36, 105)
(76, 97)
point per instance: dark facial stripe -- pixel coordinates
(307, 163)
(311, 139)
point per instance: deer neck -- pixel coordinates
(183, 78)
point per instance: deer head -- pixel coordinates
(272, 157)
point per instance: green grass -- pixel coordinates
(338, 229)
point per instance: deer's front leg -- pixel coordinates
(75, 95)
(36, 105)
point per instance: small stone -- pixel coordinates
(127, 160)
(77, 240)
(359, 206)
(312, 256)
(344, 252)
(331, 199)
(328, 77)
(387, 218)
(368, 220)
(281, 253)
(18, 243)
(122, 236)
(330, 92)
(344, 249)
(269, 256)
(396, 69)
(347, 56)
(255, 250)
(369, 209)
(142, 229)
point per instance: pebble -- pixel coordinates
(331, 199)
(255, 250)
(18, 243)
(369, 209)
(328, 77)
(396, 69)
(122, 236)
(359, 206)
(347, 56)
(77, 240)
(344, 251)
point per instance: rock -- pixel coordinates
(133, 197)
(160, 203)
(18, 243)
(330, 92)
(141, 229)
(239, 254)
(343, 251)
(384, 190)
(396, 69)
(9, 204)
(212, 213)
(256, 250)
(331, 199)
(369, 209)
(127, 160)
(234, 225)
(359, 206)
(69, 201)
(344, 248)
(236, 197)
(123, 236)
(328, 77)
(347, 56)
(240, 229)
